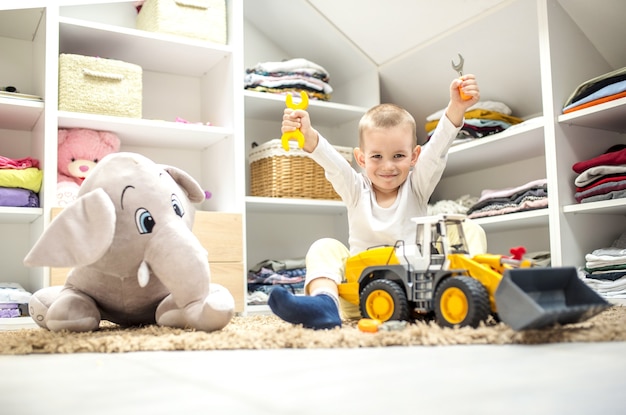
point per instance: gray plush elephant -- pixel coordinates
(135, 260)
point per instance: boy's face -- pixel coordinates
(387, 156)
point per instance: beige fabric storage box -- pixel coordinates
(99, 86)
(275, 172)
(199, 19)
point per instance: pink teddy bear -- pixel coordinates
(79, 150)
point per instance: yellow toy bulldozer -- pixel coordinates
(436, 274)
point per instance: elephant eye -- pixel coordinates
(178, 207)
(144, 221)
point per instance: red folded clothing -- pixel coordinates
(615, 178)
(613, 156)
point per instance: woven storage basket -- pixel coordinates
(200, 19)
(99, 86)
(275, 172)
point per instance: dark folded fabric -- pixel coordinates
(515, 199)
(607, 276)
(589, 87)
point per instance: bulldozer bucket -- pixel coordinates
(533, 298)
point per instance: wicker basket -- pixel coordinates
(275, 172)
(199, 19)
(99, 86)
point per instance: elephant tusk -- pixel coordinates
(143, 274)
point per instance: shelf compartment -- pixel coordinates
(517, 143)
(609, 116)
(175, 55)
(353, 76)
(150, 133)
(17, 114)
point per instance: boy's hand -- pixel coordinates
(299, 119)
(469, 86)
(457, 106)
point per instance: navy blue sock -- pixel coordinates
(316, 312)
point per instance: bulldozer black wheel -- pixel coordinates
(461, 301)
(384, 300)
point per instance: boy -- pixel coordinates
(393, 188)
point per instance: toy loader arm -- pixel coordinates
(531, 298)
(480, 268)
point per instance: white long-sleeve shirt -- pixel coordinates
(370, 224)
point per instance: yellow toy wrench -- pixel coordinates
(297, 134)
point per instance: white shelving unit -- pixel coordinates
(577, 229)
(23, 39)
(195, 80)
(560, 44)
(284, 228)
(182, 77)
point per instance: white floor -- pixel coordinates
(547, 379)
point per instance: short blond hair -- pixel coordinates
(386, 116)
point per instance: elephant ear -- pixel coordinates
(79, 235)
(187, 183)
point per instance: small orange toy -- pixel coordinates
(459, 69)
(297, 134)
(369, 325)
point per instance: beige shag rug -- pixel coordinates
(269, 332)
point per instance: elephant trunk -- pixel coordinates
(178, 260)
(182, 266)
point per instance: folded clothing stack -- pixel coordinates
(460, 205)
(604, 88)
(20, 181)
(605, 270)
(529, 196)
(292, 75)
(602, 177)
(481, 119)
(13, 300)
(266, 275)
